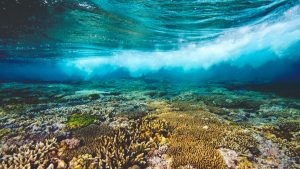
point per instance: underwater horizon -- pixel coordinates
(187, 84)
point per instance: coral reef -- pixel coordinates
(230, 157)
(244, 163)
(289, 126)
(241, 141)
(159, 158)
(94, 96)
(71, 143)
(3, 132)
(123, 148)
(276, 151)
(187, 125)
(127, 146)
(191, 143)
(89, 137)
(82, 161)
(31, 155)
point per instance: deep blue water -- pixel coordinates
(216, 40)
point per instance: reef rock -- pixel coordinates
(230, 157)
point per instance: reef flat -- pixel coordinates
(146, 123)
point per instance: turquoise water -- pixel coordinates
(150, 84)
(206, 40)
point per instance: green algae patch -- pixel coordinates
(80, 120)
(2, 112)
(3, 132)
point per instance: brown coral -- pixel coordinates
(241, 141)
(194, 139)
(126, 147)
(244, 163)
(129, 146)
(81, 162)
(198, 134)
(89, 137)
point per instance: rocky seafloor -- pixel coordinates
(146, 123)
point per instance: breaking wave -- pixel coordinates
(259, 40)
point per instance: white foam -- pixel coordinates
(248, 45)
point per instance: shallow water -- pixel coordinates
(69, 39)
(254, 128)
(149, 84)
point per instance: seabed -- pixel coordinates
(146, 123)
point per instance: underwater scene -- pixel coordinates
(154, 84)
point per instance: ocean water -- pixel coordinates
(150, 84)
(82, 40)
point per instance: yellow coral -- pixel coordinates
(80, 162)
(31, 155)
(244, 163)
(197, 134)
(190, 144)
(127, 146)
(241, 141)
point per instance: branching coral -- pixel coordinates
(89, 137)
(276, 143)
(286, 127)
(128, 146)
(32, 155)
(240, 141)
(82, 161)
